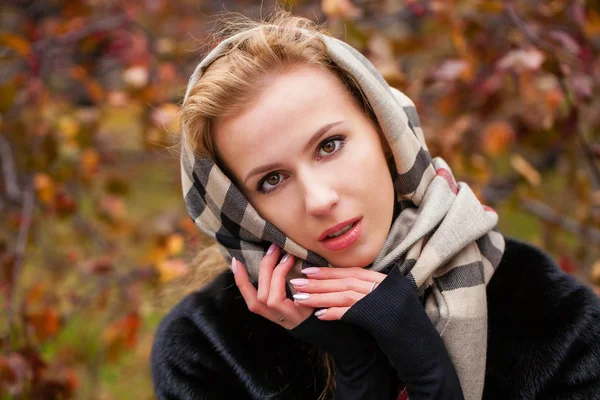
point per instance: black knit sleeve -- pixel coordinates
(361, 369)
(394, 316)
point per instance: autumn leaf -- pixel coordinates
(121, 335)
(567, 264)
(90, 84)
(8, 91)
(526, 170)
(171, 269)
(174, 244)
(340, 9)
(497, 137)
(592, 24)
(45, 188)
(64, 204)
(90, 162)
(44, 323)
(521, 59)
(17, 43)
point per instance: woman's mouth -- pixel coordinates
(344, 237)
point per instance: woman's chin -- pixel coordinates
(359, 257)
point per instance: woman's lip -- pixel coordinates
(345, 240)
(338, 227)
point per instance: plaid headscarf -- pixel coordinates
(442, 239)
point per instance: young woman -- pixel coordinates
(359, 267)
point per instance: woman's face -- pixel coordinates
(307, 158)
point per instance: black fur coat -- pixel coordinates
(543, 341)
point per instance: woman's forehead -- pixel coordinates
(287, 112)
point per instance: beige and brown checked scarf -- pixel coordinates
(443, 239)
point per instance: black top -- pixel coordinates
(543, 342)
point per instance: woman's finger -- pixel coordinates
(341, 273)
(331, 314)
(277, 294)
(286, 313)
(332, 285)
(265, 271)
(336, 299)
(246, 288)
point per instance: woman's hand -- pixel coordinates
(270, 300)
(334, 290)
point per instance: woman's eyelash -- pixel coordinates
(341, 138)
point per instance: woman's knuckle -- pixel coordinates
(272, 303)
(349, 283)
(261, 298)
(253, 307)
(266, 264)
(348, 298)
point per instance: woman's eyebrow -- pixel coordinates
(317, 135)
(314, 138)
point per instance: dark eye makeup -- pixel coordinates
(338, 140)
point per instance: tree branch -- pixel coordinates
(9, 173)
(562, 81)
(26, 218)
(547, 214)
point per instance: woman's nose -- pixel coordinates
(320, 198)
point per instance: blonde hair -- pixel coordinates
(239, 75)
(261, 49)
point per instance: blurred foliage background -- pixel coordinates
(94, 229)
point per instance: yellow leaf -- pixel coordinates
(592, 24)
(458, 39)
(523, 167)
(68, 127)
(17, 43)
(175, 244)
(8, 91)
(89, 162)
(491, 7)
(172, 269)
(45, 188)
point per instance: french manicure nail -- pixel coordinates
(272, 248)
(320, 312)
(301, 296)
(233, 265)
(299, 282)
(285, 258)
(310, 270)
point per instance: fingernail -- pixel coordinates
(299, 282)
(320, 312)
(285, 258)
(301, 296)
(311, 270)
(233, 265)
(272, 248)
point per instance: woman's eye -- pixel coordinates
(327, 148)
(269, 182)
(330, 146)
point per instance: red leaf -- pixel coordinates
(567, 264)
